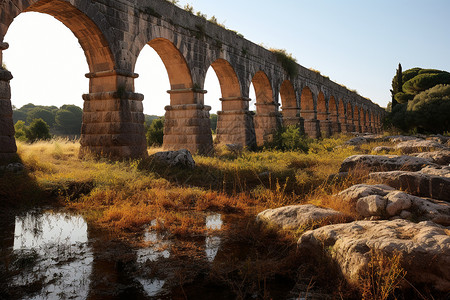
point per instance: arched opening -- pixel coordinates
(350, 118)
(333, 110)
(289, 107)
(357, 119)
(100, 68)
(234, 119)
(322, 115)
(266, 109)
(307, 104)
(186, 122)
(342, 116)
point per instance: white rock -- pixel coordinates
(373, 205)
(397, 201)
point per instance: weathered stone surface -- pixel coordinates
(424, 248)
(384, 163)
(383, 201)
(296, 216)
(442, 171)
(359, 140)
(382, 149)
(112, 41)
(415, 183)
(419, 146)
(373, 205)
(180, 158)
(354, 193)
(440, 157)
(402, 138)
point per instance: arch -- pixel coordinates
(350, 115)
(332, 106)
(341, 110)
(307, 100)
(263, 90)
(287, 93)
(92, 40)
(229, 82)
(321, 103)
(175, 63)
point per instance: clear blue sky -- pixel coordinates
(356, 43)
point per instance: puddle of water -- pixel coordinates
(214, 222)
(159, 248)
(52, 251)
(152, 287)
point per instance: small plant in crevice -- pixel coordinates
(288, 62)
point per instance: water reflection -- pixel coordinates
(212, 243)
(158, 247)
(51, 250)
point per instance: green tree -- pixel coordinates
(430, 110)
(41, 113)
(19, 116)
(155, 133)
(38, 130)
(20, 130)
(213, 118)
(69, 121)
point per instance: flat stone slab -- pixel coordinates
(415, 183)
(424, 248)
(419, 146)
(440, 157)
(384, 163)
(296, 216)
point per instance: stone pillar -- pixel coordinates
(8, 146)
(187, 124)
(345, 127)
(335, 124)
(235, 122)
(310, 123)
(291, 116)
(267, 121)
(113, 121)
(325, 124)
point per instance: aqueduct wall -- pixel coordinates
(112, 34)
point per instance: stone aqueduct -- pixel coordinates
(113, 32)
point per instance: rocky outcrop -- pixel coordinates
(424, 248)
(384, 163)
(382, 149)
(419, 146)
(415, 183)
(181, 158)
(385, 202)
(297, 216)
(440, 157)
(359, 140)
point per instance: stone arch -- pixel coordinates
(357, 118)
(334, 115)
(321, 103)
(179, 74)
(308, 113)
(109, 126)
(235, 122)
(266, 119)
(350, 117)
(307, 103)
(186, 123)
(290, 109)
(91, 38)
(323, 115)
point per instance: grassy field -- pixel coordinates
(128, 195)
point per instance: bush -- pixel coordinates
(289, 138)
(20, 129)
(38, 130)
(155, 133)
(430, 110)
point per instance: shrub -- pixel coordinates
(288, 62)
(38, 130)
(21, 130)
(289, 138)
(155, 133)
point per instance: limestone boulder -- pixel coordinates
(435, 170)
(402, 138)
(424, 248)
(359, 140)
(356, 192)
(384, 202)
(384, 163)
(415, 183)
(419, 146)
(440, 157)
(297, 216)
(382, 149)
(181, 158)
